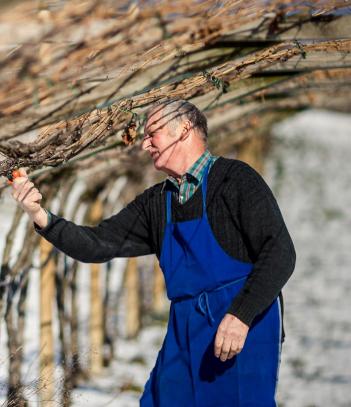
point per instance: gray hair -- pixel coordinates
(178, 110)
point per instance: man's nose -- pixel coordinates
(145, 143)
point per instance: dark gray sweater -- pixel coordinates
(242, 212)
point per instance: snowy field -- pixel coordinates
(308, 170)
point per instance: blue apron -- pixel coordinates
(202, 281)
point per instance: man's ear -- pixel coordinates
(186, 130)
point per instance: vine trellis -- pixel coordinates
(88, 69)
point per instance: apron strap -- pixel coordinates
(204, 191)
(169, 206)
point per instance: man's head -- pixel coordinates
(175, 135)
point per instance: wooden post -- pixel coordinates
(76, 367)
(96, 332)
(96, 303)
(159, 301)
(132, 289)
(47, 295)
(47, 291)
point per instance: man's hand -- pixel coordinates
(230, 337)
(25, 193)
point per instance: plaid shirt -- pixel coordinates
(192, 179)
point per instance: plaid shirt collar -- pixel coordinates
(193, 175)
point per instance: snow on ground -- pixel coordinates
(308, 171)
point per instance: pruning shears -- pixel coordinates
(11, 175)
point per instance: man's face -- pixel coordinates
(160, 141)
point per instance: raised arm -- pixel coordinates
(125, 234)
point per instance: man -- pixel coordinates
(225, 253)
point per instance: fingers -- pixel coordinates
(218, 344)
(230, 337)
(231, 354)
(228, 350)
(32, 196)
(21, 186)
(226, 347)
(18, 181)
(26, 194)
(234, 350)
(28, 187)
(23, 172)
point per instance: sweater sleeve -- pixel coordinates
(126, 234)
(268, 241)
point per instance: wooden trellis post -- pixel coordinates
(47, 295)
(96, 303)
(132, 290)
(158, 295)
